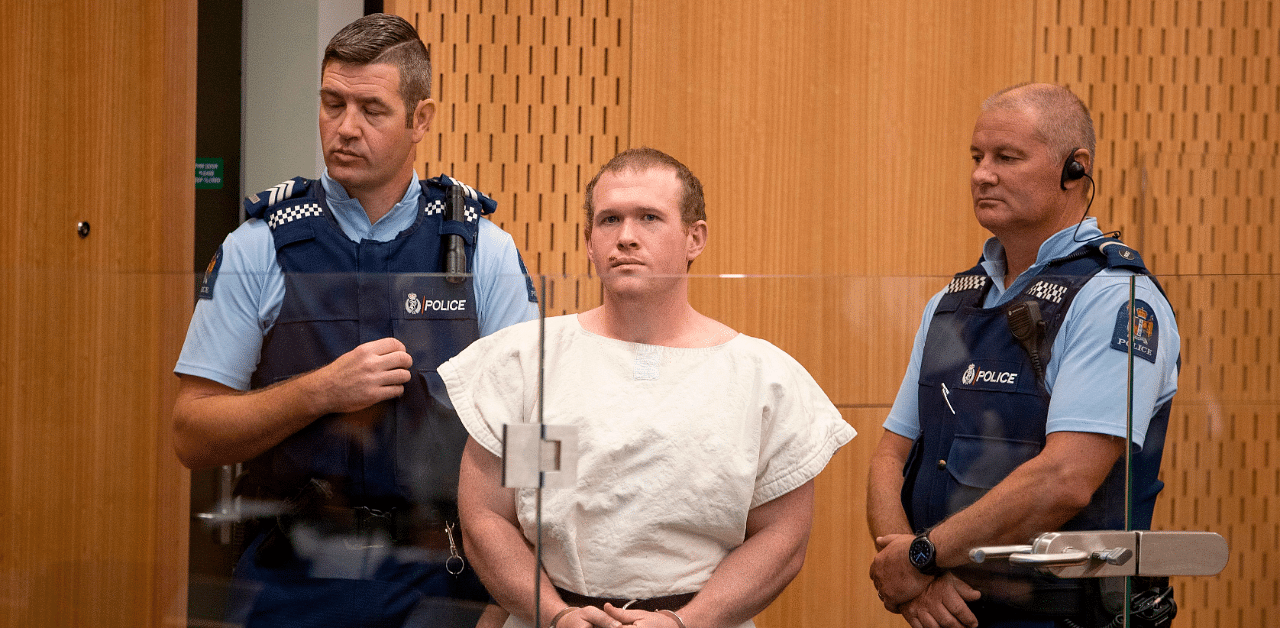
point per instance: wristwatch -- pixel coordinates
(923, 555)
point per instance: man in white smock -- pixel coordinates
(698, 445)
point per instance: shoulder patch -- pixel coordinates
(211, 275)
(1146, 331)
(966, 282)
(258, 204)
(476, 201)
(286, 214)
(1047, 291)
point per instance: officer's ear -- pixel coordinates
(422, 116)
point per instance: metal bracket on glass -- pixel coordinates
(539, 456)
(1104, 554)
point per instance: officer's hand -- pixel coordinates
(944, 604)
(370, 373)
(896, 580)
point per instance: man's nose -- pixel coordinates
(626, 235)
(348, 123)
(983, 175)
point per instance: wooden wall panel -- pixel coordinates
(99, 128)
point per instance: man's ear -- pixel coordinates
(696, 240)
(422, 116)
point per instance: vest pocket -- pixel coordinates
(982, 462)
(977, 464)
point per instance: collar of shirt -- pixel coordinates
(1058, 245)
(354, 221)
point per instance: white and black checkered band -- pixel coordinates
(1047, 291)
(434, 207)
(967, 282)
(286, 215)
(471, 215)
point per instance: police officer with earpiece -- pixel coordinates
(1011, 420)
(312, 355)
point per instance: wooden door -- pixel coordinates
(96, 164)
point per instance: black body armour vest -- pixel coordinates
(339, 294)
(983, 409)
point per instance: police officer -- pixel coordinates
(1011, 419)
(312, 356)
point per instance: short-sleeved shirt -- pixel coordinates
(676, 446)
(226, 332)
(1086, 376)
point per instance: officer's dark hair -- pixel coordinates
(390, 39)
(693, 206)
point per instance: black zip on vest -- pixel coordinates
(340, 294)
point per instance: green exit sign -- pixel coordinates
(209, 173)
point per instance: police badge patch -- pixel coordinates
(211, 275)
(1146, 331)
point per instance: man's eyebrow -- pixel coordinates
(375, 100)
(998, 148)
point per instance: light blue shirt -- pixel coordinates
(1085, 375)
(226, 332)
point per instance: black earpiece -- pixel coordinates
(1072, 169)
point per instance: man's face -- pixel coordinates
(637, 233)
(1015, 180)
(366, 143)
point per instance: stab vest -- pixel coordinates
(983, 409)
(340, 294)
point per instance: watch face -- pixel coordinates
(921, 552)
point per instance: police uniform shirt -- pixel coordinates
(1086, 374)
(227, 330)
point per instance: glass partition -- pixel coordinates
(854, 336)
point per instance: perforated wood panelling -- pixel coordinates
(532, 98)
(1186, 97)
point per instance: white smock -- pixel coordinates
(676, 445)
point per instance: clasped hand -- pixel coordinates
(613, 617)
(924, 601)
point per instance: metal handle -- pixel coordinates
(226, 511)
(1104, 554)
(1068, 558)
(982, 554)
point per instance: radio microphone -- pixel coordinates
(1027, 325)
(455, 252)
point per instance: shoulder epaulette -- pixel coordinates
(258, 205)
(1119, 254)
(485, 204)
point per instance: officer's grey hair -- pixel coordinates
(1062, 119)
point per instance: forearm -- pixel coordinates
(885, 514)
(1039, 496)
(756, 572)
(505, 563)
(495, 545)
(215, 425)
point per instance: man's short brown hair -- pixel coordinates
(693, 206)
(390, 39)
